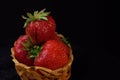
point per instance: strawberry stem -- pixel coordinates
(42, 15)
(34, 51)
(27, 44)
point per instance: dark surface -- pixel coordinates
(80, 21)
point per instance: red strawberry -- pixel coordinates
(53, 55)
(40, 26)
(20, 53)
(55, 37)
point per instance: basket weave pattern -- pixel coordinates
(41, 73)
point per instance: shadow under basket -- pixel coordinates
(41, 73)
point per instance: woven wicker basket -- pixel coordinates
(40, 73)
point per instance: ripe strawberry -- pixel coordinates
(54, 54)
(40, 26)
(55, 37)
(20, 53)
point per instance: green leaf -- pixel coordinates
(27, 21)
(43, 18)
(25, 25)
(45, 14)
(29, 15)
(37, 15)
(27, 44)
(42, 11)
(24, 17)
(36, 12)
(34, 51)
(32, 56)
(65, 40)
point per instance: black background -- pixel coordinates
(82, 22)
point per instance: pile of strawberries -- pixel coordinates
(41, 46)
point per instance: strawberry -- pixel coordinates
(53, 55)
(55, 37)
(40, 26)
(20, 53)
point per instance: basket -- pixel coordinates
(41, 73)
